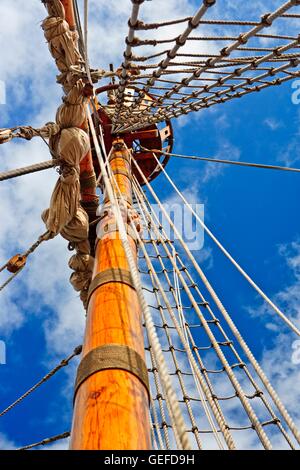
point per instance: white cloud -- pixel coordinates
(6, 443)
(59, 445)
(290, 154)
(226, 151)
(27, 68)
(272, 123)
(113, 17)
(288, 298)
(42, 289)
(29, 73)
(283, 374)
(276, 360)
(45, 278)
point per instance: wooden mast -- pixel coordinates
(69, 13)
(111, 392)
(111, 401)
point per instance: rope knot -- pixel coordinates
(137, 25)
(208, 63)
(272, 72)
(27, 132)
(134, 42)
(180, 41)
(224, 52)
(266, 20)
(294, 62)
(242, 39)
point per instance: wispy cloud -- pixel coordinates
(272, 123)
(32, 98)
(6, 443)
(276, 360)
(291, 153)
(226, 151)
(288, 297)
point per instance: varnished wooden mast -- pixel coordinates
(111, 400)
(69, 13)
(111, 406)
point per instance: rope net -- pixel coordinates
(227, 402)
(188, 64)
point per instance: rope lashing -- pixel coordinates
(47, 441)
(66, 214)
(28, 132)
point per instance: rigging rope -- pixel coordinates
(144, 26)
(86, 57)
(47, 441)
(183, 323)
(226, 316)
(164, 111)
(235, 383)
(198, 377)
(48, 376)
(17, 263)
(180, 42)
(175, 412)
(26, 170)
(231, 324)
(217, 160)
(125, 118)
(274, 419)
(127, 56)
(227, 254)
(183, 339)
(11, 278)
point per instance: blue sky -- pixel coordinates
(253, 212)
